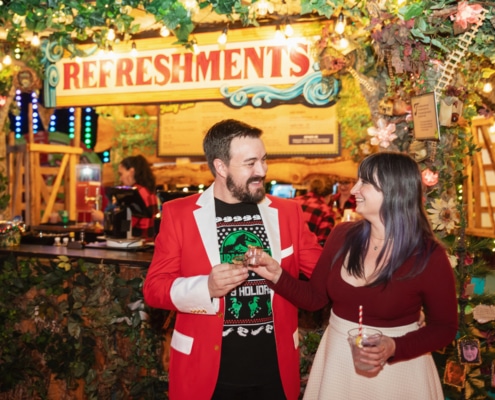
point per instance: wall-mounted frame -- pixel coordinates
(425, 116)
(289, 130)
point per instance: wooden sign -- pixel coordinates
(288, 130)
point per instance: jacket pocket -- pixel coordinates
(181, 342)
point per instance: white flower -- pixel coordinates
(383, 135)
(443, 214)
(453, 260)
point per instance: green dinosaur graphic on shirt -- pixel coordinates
(237, 243)
(269, 306)
(236, 306)
(254, 306)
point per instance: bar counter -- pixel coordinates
(131, 257)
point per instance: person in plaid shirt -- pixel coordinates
(318, 214)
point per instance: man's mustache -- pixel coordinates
(256, 178)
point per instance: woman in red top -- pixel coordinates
(392, 265)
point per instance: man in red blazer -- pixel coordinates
(233, 338)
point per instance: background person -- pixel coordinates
(135, 171)
(391, 263)
(343, 199)
(233, 338)
(317, 213)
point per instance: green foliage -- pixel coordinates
(81, 323)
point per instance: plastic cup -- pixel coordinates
(238, 261)
(253, 256)
(370, 337)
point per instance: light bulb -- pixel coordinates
(222, 39)
(487, 88)
(7, 60)
(111, 34)
(343, 43)
(279, 36)
(133, 49)
(289, 31)
(340, 25)
(164, 31)
(35, 41)
(195, 48)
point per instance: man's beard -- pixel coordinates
(242, 193)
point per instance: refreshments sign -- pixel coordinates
(165, 73)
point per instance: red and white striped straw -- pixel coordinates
(360, 321)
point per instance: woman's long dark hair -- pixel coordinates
(143, 175)
(407, 228)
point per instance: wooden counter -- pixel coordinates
(138, 258)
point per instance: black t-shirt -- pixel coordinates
(248, 347)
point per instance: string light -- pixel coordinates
(487, 88)
(343, 43)
(17, 53)
(164, 31)
(340, 25)
(7, 60)
(18, 122)
(288, 31)
(72, 118)
(222, 39)
(133, 49)
(34, 101)
(88, 128)
(53, 123)
(35, 41)
(279, 36)
(194, 47)
(111, 34)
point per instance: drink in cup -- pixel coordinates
(238, 261)
(368, 337)
(253, 256)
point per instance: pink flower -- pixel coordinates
(383, 135)
(467, 14)
(430, 178)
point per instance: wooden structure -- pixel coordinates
(480, 182)
(32, 194)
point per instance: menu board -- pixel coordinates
(289, 130)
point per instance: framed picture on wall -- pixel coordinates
(425, 116)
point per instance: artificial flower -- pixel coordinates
(467, 14)
(453, 260)
(429, 177)
(383, 134)
(443, 214)
(63, 263)
(365, 148)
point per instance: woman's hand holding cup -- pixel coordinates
(264, 265)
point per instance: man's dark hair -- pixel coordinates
(216, 143)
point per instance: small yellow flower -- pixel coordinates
(443, 215)
(64, 263)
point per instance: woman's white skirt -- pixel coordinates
(333, 376)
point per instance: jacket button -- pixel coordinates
(220, 315)
(217, 347)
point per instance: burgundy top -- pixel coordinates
(396, 304)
